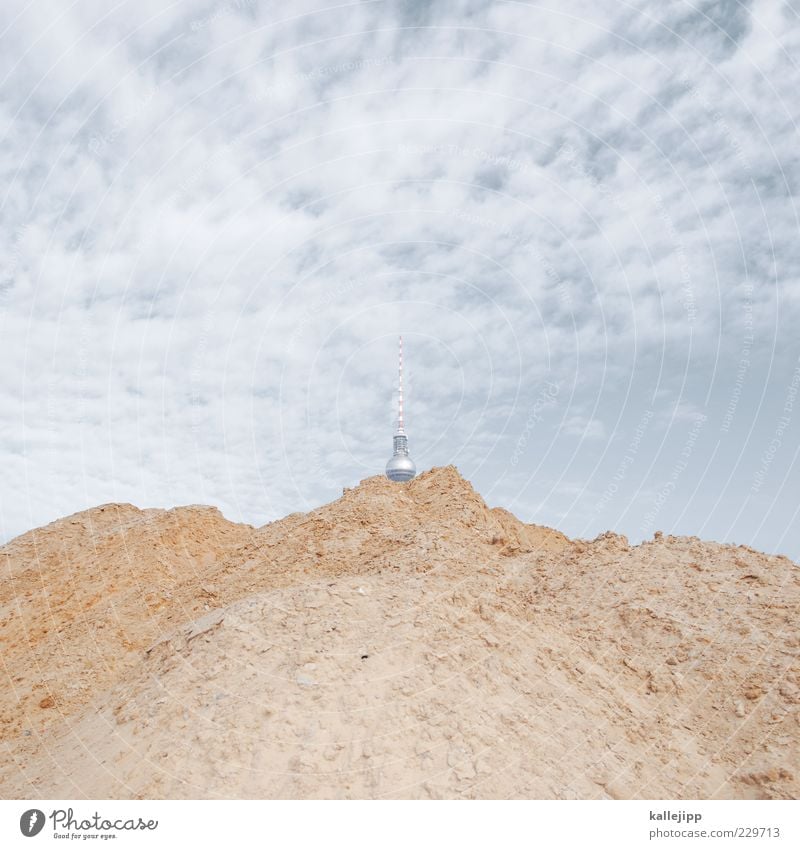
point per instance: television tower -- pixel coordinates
(400, 467)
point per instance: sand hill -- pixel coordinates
(403, 641)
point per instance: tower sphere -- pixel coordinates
(400, 468)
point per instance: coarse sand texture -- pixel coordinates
(404, 641)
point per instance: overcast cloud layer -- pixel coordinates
(217, 217)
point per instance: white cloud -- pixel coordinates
(217, 219)
(584, 428)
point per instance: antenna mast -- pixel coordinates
(400, 400)
(400, 466)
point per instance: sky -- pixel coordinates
(217, 218)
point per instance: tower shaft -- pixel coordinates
(400, 467)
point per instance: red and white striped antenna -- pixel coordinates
(400, 400)
(400, 467)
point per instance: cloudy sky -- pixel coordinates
(218, 216)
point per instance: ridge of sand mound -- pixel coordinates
(402, 641)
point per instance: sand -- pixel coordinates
(405, 641)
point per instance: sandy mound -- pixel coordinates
(403, 641)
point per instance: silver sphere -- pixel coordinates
(400, 468)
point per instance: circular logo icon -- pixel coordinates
(31, 822)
